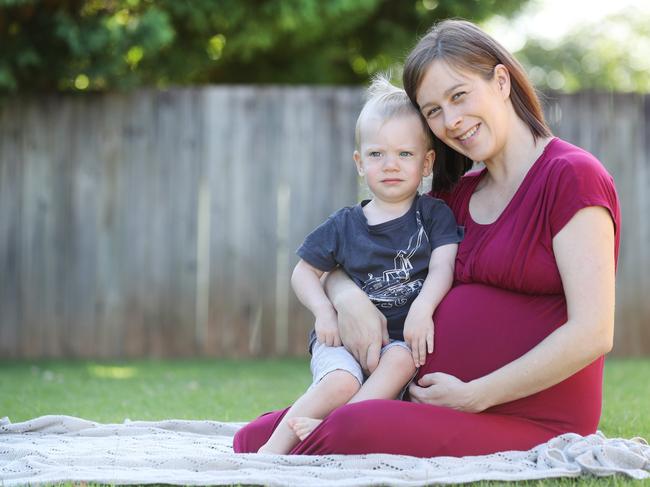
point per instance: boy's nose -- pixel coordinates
(391, 163)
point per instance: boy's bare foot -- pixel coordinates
(303, 426)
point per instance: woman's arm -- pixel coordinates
(584, 252)
(362, 327)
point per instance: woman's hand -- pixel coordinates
(362, 327)
(439, 389)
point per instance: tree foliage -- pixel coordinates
(50, 45)
(611, 55)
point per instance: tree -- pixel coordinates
(50, 45)
(611, 55)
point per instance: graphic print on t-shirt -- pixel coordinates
(394, 287)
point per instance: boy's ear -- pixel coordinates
(429, 161)
(357, 161)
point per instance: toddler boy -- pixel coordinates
(399, 247)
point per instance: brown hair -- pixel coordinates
(465, 46)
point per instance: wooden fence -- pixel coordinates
(165, 223)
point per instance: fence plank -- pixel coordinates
(11, 188)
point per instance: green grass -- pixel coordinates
(228, 390)
(150, 390)
(626, 398)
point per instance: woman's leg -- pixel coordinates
(398, 427)
(403, 428)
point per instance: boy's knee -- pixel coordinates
(400, 357)
(343, 383)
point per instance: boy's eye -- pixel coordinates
(374, 153)
(405, 153)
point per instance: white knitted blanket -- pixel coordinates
(53, 449)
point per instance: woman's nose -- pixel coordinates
(452, 120)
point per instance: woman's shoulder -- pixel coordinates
(571, 171)
(562, 158)
(571, 178)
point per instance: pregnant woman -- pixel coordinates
(520, 337)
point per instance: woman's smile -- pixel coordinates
(470, 135)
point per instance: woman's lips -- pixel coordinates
(468, 136)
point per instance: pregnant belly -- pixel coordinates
(480, 328)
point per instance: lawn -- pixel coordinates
(228, 390)
(224, 390)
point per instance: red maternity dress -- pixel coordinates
(506, 298)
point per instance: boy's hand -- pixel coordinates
(418, 330)
(327, 329)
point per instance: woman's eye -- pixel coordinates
(433, 112)
(457, 96)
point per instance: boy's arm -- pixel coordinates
(418, 327)
(306, 283)
(440, 276)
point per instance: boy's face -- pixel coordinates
(393, 156)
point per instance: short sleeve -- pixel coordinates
(440, 223)
(579, 182)
(320, 247)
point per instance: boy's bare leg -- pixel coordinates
(395, 370)
(334, 390)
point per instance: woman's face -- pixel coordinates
(465, 111)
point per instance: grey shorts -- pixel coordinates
(325, 359)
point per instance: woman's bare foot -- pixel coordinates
(303, 426)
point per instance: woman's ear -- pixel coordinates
(358, 162)
(502, 78)
(429, 161)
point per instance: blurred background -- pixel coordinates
(160, 161)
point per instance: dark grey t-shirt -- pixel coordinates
(388, 261)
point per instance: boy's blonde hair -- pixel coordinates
(387, 101)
